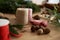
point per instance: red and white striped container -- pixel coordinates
(22, 16)
(30, 14)
(4, 29)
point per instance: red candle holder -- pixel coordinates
(4, 29)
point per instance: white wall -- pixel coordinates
(38, 2)
(53, 1)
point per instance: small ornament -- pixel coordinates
(40, 31)
(46, 31)
(33, 28)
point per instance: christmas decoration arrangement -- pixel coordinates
(41, 27)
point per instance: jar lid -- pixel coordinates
(4, 22)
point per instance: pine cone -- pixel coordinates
(36, 17)
(46, 31)
(40, 31)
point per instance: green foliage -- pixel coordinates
(20, 1)
(29, 4)
(18, 26)
(56, 22)
(10, 6)
(58, 16)
(53, 12)
(12, 30)
(35, 7)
